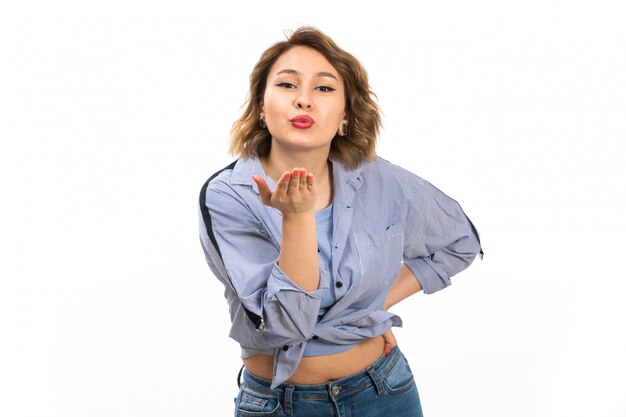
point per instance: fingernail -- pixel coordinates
(387, 351)
(255, 179)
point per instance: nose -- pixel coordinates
(303, 101)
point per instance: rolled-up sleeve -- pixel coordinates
(440, 240)
(249, 257)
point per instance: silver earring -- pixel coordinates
(343, 130)
(262, 122)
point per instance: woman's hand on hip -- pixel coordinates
(390, 341)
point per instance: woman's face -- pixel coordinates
(304, 101)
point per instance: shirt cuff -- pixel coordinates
(279, 281)
(430, 277)
(289, 310)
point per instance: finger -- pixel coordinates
(264, 189)
(390, 339)
(310, 181)
(303, 179)
(294, 183)
(283, 184)
(387, 349)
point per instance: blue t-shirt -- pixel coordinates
(324, 228)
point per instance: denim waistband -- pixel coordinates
(332, 390)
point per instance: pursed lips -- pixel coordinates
(302, 122)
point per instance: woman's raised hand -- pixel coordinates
(296, 192)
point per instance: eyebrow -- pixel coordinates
(317, 74)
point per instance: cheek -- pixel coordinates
(275, 109)
(269, 102)
(335, 115)
(339, 110)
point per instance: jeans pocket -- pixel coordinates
(252, 404)
(400, 377)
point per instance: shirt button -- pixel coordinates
(335, 390)
(285, 348)
(315, 337)
(339, 284)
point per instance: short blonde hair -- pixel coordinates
(249, 139)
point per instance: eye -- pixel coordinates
(286, 85)
(325, 89)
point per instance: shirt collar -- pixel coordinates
(245, 168)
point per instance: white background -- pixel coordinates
(112, 115)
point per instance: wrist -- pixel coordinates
(299, 217)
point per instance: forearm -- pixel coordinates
(405, 285)
(295, 196)
(298, 252)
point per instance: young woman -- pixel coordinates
(315, 238)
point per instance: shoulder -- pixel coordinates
(391, 176)
(227, 202)
(219, 178)
(218, 189)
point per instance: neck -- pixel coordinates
(277, 162)
(316, 162)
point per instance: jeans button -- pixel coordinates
(335, 390)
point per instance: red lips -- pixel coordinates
(302, 122)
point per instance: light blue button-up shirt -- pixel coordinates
(383, 216)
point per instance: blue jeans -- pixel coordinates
(386, 388)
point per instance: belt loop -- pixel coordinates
(239, 377)
(287, 400)
(378, 383)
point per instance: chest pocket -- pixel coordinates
(380, 255)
